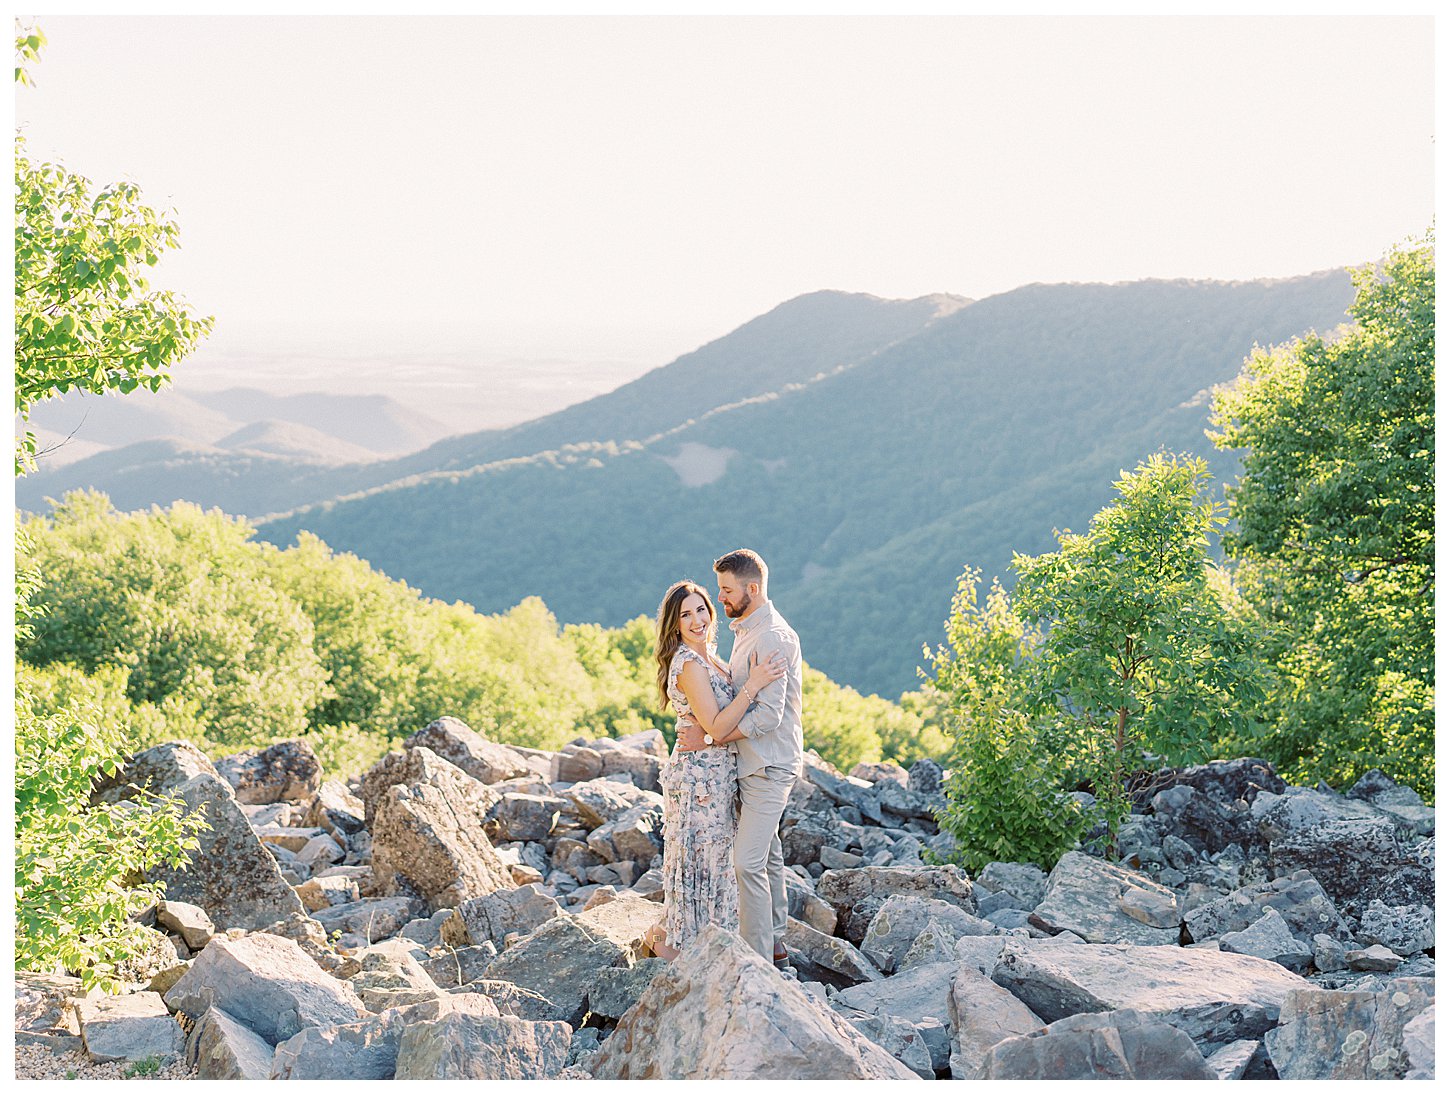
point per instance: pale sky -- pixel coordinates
(633, 187)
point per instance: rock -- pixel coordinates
(147, 958)
(1118, 1045)
(899, 1038)
(1226, 781)
(1328, 1035)
(857, 894)
(512, 999)
(1230, 1062)
(324, 893)
(477, 1047)
(1213, 996)
(981, 1014)
(902, 918)
(335, 809)
(625, 921)
(1402, 803)
(366, 1050)
(320, 852)
(600, 801)
(454, 967)
(158, 769)
(230, 875)
(1404, 929)
(1418, 1043)
(162, 982)
(267, 983)
(1269, 937)
(392, 980)
(222, 1047)
(191, 921)
(881, 770)
(484, 760)
(642, 768)
(1199, 821)
(937, 942)
(525, 817)
(374, 919)
(1092, 898)
(919, 995)
(981, 952)
(430, 831)
(410, 767)
(841, 790)
(1299, 899)
(1350, 858)
(128, 1027)
(44, 1002)
(821, 957)
(903, 802)
(1299, 810)
(560, 960)
(1024, 884)
(924, 777)
(1375, 959)
(288, 771)
(1329, 954)
(731, 1016)
(618, 989)
(805, 904)
(576, 764)
(637, 835)
(491, 918)
(292, 838)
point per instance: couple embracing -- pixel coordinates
(737, 754)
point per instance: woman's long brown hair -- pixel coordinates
(667, 631)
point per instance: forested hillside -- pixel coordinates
(866, 489)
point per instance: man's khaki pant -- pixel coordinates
(759, 865)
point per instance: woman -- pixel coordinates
(699, 786)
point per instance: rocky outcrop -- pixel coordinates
(285, 772)
(731, 1017)
(1116, 1045)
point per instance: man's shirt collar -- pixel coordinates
(754, 620)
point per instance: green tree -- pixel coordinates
(1145, 646)
(1335, 526)
(86, 317)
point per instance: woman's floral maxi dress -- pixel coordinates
(699, 791)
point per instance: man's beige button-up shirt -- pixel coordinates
(772, 724)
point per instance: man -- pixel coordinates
(769, 747)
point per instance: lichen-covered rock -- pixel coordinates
(1298, 898)
(821, 957)
(493, 917)
(484, 760)
(478, 1047)
(619, 988)
(1118, 1045)
(1331, 1035)
(158, 769)
(1269, 937)
(903, 917)
(982, 1013)
(188, 920)
(335, 809)
(1105, 903)
(1404, 929)
(1418, 1043)
(637, 835)
(560, 961)
(392, 979)
(287, 771)
(1025, 884)
(600, 801)
(858, 893)
(1351, 858)
(372, 918)
(730, 1016)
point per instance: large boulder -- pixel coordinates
(1023, 884)
(526, 817)
(919, 996)
(1299, 898)
(430, 831)
(1418, 1043)
(803, 903)
(408, 766)
(730, 1016)
(128, 1027)
(268, 984)
(619, 988)
(482, 1047)
(902, 918)
(1269, 937)
(560, 960)
(1214, 997)
(366, 1050)
(230, 875)
(1332, 1035)
(625, 921)
(493, 917)
(1226, 781)
(1105, 903)
(859, 892)
(158, 770)
(1401, 803)
(982, 1013)
(1203, 822)
(1351, 858)
(1300, 809)
(288, 771)
(841, 790)
(1118, 1045)
(222, 1047)
(335, 809)
(600, 801)
(371, 918)
(637, 835)
(484, 760)
(390, 979)
(825, 958)
(1404, 929)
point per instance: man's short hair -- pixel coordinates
(744, 564)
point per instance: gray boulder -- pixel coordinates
(1350, 858)
(924, 777)
(1117, 1045)
(576, 763)
(230, 875)
(875, 772)
(324, 893)
(479, 1047)
(493, 917)
(902, 918)
(1404, 929)
(1214, 997)
(804, 903)
(1232, 1061)
(1269, 937)
(512, 999)
(372, 919)
(1331, 1035)
(454, 967)
(288, 771)
(430, 832)
(524, 817)
(636, 835)
(187, 920)
(1104, 903)
(1418, 1043)
(920, 995)
(858, 893)
(1023, 884)
(1401, 803)
(1203, 822)
(158, 769)
(982, 1013)
(905, 1042)
(1226, 781)
(619, 988)
(484, 760)
(1298, 898)
(1302, 809)
(824, 958)
(392, 979)
(268, 984)
(128, 1027)
(560, 961)
(599, 801)
(730, 1016)
(221, 1047)
(335, 809)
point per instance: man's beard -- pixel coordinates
(738, 610)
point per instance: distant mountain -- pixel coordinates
(868, 475)
(375, 424)
(273, 437)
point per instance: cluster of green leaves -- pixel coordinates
(1335, 523)
(1127, 646)
(78, 865)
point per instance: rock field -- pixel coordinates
(468, 909)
